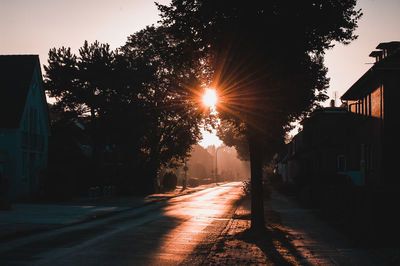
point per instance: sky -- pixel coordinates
(347, 63)
(35, 26)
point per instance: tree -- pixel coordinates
(172, 113)
(233, 136)
(266, 60)
(133, 100)
(60, 76)
(100, 88)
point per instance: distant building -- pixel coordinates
(356, 140)
(24, 125)
(327, 146)
(375, 97)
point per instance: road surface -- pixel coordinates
(162, 233)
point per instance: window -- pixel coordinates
(33, 120)
(366, 106)
(341, 163)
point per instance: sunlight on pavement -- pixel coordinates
(197, 213)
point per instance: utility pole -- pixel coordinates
(334, 97)
(216, 164)
(185, 168)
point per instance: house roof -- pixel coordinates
(388, 45)
(388, 64)
(16, 73)
(375, 53)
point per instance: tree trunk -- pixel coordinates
(257, 202)
(153, 168)
(96, 149)
(150, 178)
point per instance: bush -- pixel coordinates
(170, 181)
(194, 182)
(246, 188)
(55, 184)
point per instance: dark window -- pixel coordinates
(341, 163)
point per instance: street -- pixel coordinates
(157, 234)
(206, 227)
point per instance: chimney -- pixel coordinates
(378, 55)
(385, 49)
(332, 103)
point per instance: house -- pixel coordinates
(344, 161)
(24, 125)
(356, 140)
(327, 146)
(374, 96)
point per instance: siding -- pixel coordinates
(377, 103)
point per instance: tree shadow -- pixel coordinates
(273, 241)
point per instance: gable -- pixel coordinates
(35, 116)
(16, 74)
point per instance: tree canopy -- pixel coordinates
(265, 58)
(136, 101)
(267, 55)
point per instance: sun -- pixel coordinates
(210, 98)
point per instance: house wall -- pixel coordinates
(377, 103)
(352, 106)
(9, 160)
(333, 143)
(371, 104)
(32, 138)
(23, 151)
(390, 127)
(379, 130)
(34, 122)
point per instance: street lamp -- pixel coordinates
(216, 164)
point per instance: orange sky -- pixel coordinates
(35, 26)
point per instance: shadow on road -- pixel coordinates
(275, 244)
(102, 244)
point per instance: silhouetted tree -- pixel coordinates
(168, 100)
(234, 136)
(60, 82)
(137, 100)
(100, 88)
(266, 60)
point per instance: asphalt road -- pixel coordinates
(162, 233)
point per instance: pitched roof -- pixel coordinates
(389, 64)
(389, 45)
(16, 73)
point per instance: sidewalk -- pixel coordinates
(28, 218)
(294, 236)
